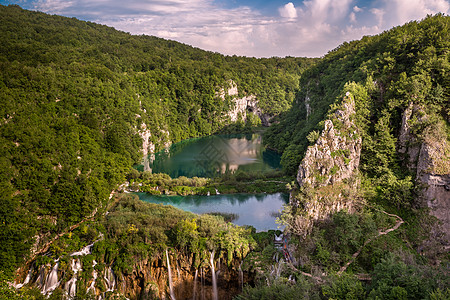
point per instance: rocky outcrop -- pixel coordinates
(244, 105)
(326, 175)
(147, 145)
(429, 157)
(335, 155)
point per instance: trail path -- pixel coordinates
(380, 233)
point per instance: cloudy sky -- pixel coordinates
(260, 28)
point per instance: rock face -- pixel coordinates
(429, 158)
(335, 155)
(326, 174)
(244, 105)
(148, 279)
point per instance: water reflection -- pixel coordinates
(208, 156)
(257, 210)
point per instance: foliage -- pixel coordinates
(74, 96)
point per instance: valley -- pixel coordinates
(134, 167)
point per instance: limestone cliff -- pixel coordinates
(244, 105)
(427, 153)
(326, 174)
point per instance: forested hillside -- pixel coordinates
(75, 94)
(368, 139)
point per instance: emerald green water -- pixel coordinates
(212, 155)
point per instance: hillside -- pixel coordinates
(364, 131)
(368, 139)
(78, 100)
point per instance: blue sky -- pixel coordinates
(247, 27)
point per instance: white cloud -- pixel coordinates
(357, 9)
(288, 11)
(352, 17)
(312, 28)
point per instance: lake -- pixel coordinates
(213, 155)
(258, 210)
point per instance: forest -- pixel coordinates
(74, 96)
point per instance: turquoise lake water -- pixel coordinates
(213, 155)
(259, 210)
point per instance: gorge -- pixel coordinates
(353, 147)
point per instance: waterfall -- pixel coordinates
(217, 192)
(241, 276)
(88, 249)
(85, 251)
(40, 279)
(94, 277)
(110, 279)
(172, 294)
(51, 283)
(71, 285)
(213, 274)
(195, 285)
(26, 281)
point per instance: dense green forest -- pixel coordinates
(74, 94)
(403, 69)
(406, 64)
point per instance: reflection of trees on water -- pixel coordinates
(200, 200)
(214, 155)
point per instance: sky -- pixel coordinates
(247, 27)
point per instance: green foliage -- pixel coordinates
(383, 74)
(394, 279)
(137, 230)
(280, 290)
(73, 97)
(344, 287)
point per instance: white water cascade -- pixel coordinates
(110, 279)
(195, 285)
(71, 285)
(217, 192)
(172, 294)
(51, 282)
(26, 281)
(214, 279)
(94, 277)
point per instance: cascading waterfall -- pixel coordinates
(195, 285)
(172, 294)
(94, 277)
(26, 281)
(214, 279)
(217, 192)
(110, 279)
(71, 285)
(241, 276)
(51, 283)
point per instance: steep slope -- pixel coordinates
(399, 80)
(368, 140)
(81, 103)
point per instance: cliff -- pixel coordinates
(242, 106)
(326, 175)
(426, 152)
